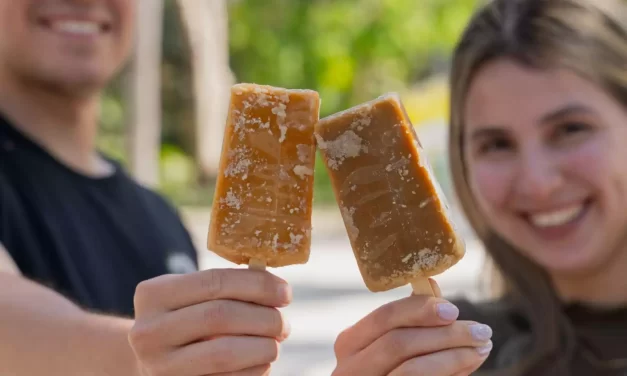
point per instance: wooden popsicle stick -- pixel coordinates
(256, 264)
(422, 286)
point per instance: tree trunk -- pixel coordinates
(206, 22)
(143, 93)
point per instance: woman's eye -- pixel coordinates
(494, 146)
(570, 131)
(574, 127)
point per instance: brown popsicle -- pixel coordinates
(262, 206)
(392, 206)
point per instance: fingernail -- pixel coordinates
(480, 332)
(447, 311)
(485, 350)
(287, 329)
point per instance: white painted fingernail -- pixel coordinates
(485, 350)
(480, 332)
(447, 311)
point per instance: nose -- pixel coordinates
(538, 177)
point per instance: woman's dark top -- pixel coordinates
(601, 336)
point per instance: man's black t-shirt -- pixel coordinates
(91, 239)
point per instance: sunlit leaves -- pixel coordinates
(349, 50)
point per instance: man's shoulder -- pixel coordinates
(155, 199)
(147, 194)
(159, 207)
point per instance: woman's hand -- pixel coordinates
(418, 335)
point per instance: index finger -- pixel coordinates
(172, 292)
(413, 311)
(437, 292)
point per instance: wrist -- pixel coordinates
(114, 344)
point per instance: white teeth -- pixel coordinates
(77, 27)
(556, 218)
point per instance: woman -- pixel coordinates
(537, 146)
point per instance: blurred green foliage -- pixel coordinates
(348, 50)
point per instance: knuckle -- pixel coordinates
(150, 290)
(145, 290)
(343, 339)
(384, 315)
(213, 283)
(153, 286)
(420, 308)
(144, 287)
(217, 314)
(396, 344)
(425, 309)
(141, 337)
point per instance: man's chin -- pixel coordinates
(74, 87)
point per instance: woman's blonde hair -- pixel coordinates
(587, 37)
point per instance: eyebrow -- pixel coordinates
(488, 131)
(569, 109)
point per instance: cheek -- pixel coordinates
(127, 17)
(490, 184)
(14, 26)
(126, 12)
(599, 164)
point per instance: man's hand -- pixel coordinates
(413, 336)
(214, 322)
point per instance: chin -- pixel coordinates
(571, 263)
(75, 72)
(571, 257)
(76, 89)
(77, 83)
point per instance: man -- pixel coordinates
(77, 235)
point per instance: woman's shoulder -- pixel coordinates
(511, 330)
